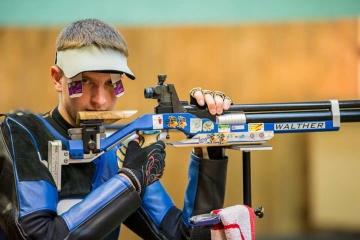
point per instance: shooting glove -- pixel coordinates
(144, 165)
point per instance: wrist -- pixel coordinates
(130, 175)
(125, 176)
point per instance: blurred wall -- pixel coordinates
(303, 176)
(170, 13)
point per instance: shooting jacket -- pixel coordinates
(29, 200)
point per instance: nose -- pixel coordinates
(98, 97)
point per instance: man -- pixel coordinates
(97, 197)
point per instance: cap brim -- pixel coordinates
(91, 58)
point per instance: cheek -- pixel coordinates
(110, 94)
(75, 104)
(113, 99)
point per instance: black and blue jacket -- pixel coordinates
(101, 200)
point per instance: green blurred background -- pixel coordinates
(161, 12)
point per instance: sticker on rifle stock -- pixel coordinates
(238, 127)
(158, 122)
(222, 138)
(214, 138)
(224, 128)
(256, 127)
(217, 138)
(208, 126)
(195, 125)
(172, 122)
(182, 122)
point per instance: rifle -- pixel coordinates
(243, 127)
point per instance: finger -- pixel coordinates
(135, 138)
(198, 95)
(219, 102)
(160, 144)
(227, 103)
(210, 102)
(134, 144)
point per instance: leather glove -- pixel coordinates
(144, 165)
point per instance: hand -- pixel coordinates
(147, 164)
(216, 101)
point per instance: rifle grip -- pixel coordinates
(148, 137)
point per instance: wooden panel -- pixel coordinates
(251, 63)
(334, 177)
(285, 62)
(26, 57)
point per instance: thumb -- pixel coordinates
(133, 146)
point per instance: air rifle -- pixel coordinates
(243, 127)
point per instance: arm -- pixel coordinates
(159, 218)
(96, 216)
(31, 213)
(206, 188)
(205, 192)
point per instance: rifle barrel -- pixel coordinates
(345, 116)
(294, 106)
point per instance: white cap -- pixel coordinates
(91, 58)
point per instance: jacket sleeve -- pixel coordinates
(206, 188)
(28, 206)
(94, 217)
(205, 192)
(159, 218)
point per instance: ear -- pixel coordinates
(57, 75)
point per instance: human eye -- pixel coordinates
(85, 81)
(109, 83)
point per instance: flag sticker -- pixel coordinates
(237, 127)
(224, 128)
(256, 127)
(158, 122)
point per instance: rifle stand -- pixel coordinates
(246, 149)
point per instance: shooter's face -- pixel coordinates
(97, 95)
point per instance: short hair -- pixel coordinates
(91, 32)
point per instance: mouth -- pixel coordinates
(95, 110)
